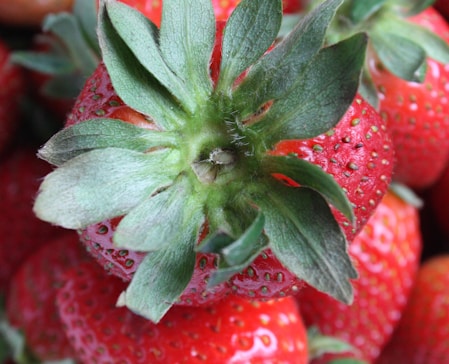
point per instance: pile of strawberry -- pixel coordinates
(224, 181)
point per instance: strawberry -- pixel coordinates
(233, 330)
(421, 336)
(443, 7)
(404, 78)
(31, 306)
(438, 200)
(416, 113)
(30, 13)
(11, 94)
(386, 253)
(22, 232)
(154, 143)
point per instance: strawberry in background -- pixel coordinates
(21, 232)
(422, 334)
(387, 253)
(443, 7)
(231, 331)
(31, 300)
(11, 94)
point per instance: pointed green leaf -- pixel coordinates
(307, 240)
(368, 89)
(411, 7)
(157, 220)
(312, 176)
(278, 70)
(362, 10)
(48, 63)
(320, 344)
(142, 40)
(187, 39)
(65, 86)
(66, 27)
(434, 46)
(102, 184)
(314, 107)
(132, 82)
(101, 133)
(400, 56)
(164, 274)
(250, 31)
(85, 12)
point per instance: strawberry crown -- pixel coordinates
(402, 46)
(208, 160)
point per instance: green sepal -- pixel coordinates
(277, 71)
(142, 40)
(307, 240)
(86, 13)
(102, 184)
(320, 344)
(312, 176)
(187, 39)
(157, 220)
(67, 28)
(368, 89)
(250, 30)
(362, 10)
(102, 133)
(311, 109)
(164, 274)
(399, 55)
(51, 64)
(434, 46)
(138, 88)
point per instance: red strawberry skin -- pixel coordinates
(233, 331)
(416, 114)
(421, 336)
(21, 231)
(386, 254)
(31, 298)
(11, 92)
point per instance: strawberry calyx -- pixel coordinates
(402, 46)
(70, 50)
(205, 155)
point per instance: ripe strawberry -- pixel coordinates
(31, 305)
(416, 113)
(11, 93)
(234, 330)
(421, 336)
(438, 200)
(22, 232)
(29, 13)
(152, 141)
(443, 7)
(386, 253)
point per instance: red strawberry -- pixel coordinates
(416, 113)
(234, 330)
(31, 305)
(11, 93)
(443, 7)
(421, 336)
(22, 232)
(438, 201)
(155, 143)
(387, 253)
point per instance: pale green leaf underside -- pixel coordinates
(313, 108)
(249, 32)
(362, 10)
(143, 41)
(102, 133)
(187, 38)
(132, 82)
(158, 220)
(312, 176)
(164, 274)
(307, 240)
(278, 70)
(102, 184)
